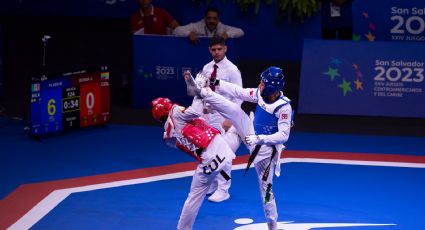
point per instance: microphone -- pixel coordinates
(45, 38)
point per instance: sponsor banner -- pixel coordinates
(362, 78)
(390, 20)
(159, 63)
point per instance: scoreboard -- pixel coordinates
(69, 100)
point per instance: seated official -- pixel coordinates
(209, 26)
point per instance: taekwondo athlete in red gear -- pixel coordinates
(265, 135)
(183, 129)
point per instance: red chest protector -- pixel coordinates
(199, 133)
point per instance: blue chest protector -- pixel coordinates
(265, 120)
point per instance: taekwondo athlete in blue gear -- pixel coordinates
(265, 135)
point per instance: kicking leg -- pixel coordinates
(229, 110)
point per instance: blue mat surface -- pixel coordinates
(307, 193)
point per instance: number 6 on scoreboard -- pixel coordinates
(51, 107)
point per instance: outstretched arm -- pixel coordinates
(245, 94)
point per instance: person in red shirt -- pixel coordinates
(151, 20)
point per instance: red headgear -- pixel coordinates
(161, 107)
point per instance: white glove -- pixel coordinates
(201, 80)
(254, 139)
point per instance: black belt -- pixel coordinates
(252, 157)
(267, 171)
(199, 151)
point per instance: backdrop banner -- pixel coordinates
(362, 78)
(390, 20)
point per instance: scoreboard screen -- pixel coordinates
(69, 100)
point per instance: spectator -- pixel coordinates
(151, 20)
(337, 22)
(209, 26)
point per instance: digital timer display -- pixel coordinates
(69, 100)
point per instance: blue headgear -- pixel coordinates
(273, 80)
